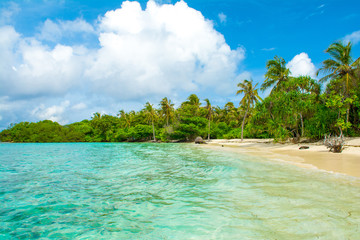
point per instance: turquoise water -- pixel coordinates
(167, 191)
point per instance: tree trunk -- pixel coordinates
(167, 120)
(302, 125)
(153, 130)
(243, 123)
(209, 131)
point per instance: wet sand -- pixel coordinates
(317, 156)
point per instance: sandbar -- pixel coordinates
(316, 156)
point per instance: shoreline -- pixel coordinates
(316, 157)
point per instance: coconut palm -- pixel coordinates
(340, 66)
(218, 114)
(151, 114)
(209, 109)
(250, 97)
(231, 112)
(277, 73)
(122, 115)
(193, 100)
(341, 69)
(167, 109)
(96, 116)
(193, 104)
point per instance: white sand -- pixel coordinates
(317, 156)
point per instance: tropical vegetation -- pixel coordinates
(296, 108)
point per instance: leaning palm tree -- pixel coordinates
(277, 73)
(151, 114)
(167, 109)
(250, 97)
(209, 109)
(341, 69)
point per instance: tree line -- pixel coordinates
(295, 108)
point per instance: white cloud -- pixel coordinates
(301, 65)
(30, 68)
(354, 37)
(79, 106)
(222, 17)
(7, 14)
(160, 50)
(163, 50)
(53, 113)
(55, 31)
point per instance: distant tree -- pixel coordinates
(209, 114)
(151, 114)
(193, 100)
(250, 97)
(167, 109)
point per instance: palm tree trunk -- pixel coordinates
(209, 131)
(347, 95)
(243, 123)
(153, 130)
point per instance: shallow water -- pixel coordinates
(167, 191)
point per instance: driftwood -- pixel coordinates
(335, 144)
(304, 147)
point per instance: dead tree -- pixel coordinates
(335, 144)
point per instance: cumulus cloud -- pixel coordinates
(31, 68)
(301, 65)
(353, 37)
(162, 50)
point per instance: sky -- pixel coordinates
(64, 60)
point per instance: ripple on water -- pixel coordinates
(167, 191)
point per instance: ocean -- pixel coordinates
(167, 191)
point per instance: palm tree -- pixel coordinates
(193, 103)
(122, 115)
(218, 114)
(96, 116)
(276, 74)
(231, 112)
(341, 65)
(250, 97)
(340, 68)
(167, 108)
(209, 109)
(151, 113)
(193, 100)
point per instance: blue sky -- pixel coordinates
(64, 59)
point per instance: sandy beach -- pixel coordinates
(316, 156)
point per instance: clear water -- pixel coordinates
(167, 191)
